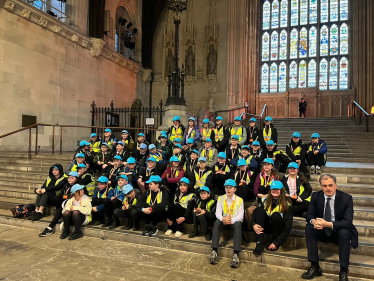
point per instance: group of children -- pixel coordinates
(173, 181)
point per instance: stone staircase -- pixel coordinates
(19, 176)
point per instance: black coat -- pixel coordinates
(343, 212)
(307, 188)
(255, 133)
(292, 146)
(52, 186)
(220, 145)
(274, 135)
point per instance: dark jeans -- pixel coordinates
(302, 113)
(131, 213)
(176, 211)
(154, 217)
(217, 229)
(271, 225)
(110, 206)
(172, 188)
(298, 208)
(97, 216)
(44, 199)
(74, 217)
(204, 223)
(315, 160)
(242, 190)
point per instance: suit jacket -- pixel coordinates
(343, 212)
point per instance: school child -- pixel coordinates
(172, 175)
(164, 146)
(239, 130)
(316, 156)
(109, 138)
(131, 171)
(268, 133)
(144, 174)
(190, 165)
(177, 141)
(205, 131)
(44, 195)
(177, 151)
(249, 159)
(187, 149)
(121, 151)
(192, 131)
(203, 175)
(95, 144)
(137, 149)
(102, 158)
(257, 154)
(230, 214)
(128, 141)
(101, 193)
(298, 189)
(209, 152)
(177, 130)
(274, 216)
(221, 172)
(180, 208)
(84, 147)
(77, 211)
(153, 205)
(72, 166)
(220, 135)
(242, 177)
(296, 151)
(159, 156)
(128, 210)
(252, 131)
(281, 160)
(233, 149)
(142, 156)
(263, 181)
(203, 214)
(112, 172)
(86, 179)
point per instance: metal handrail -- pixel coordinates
(264, 110)
(353, 114)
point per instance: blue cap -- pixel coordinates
(206, 120)
(315, 135)
(268, 160)
(241, 162)
(195, 151)
(131, 160)
(117, 157)
(219, 118)
(104, 143)
(141, 135)
(190, 140)
(124, 177)
(176, 118)
(192, 118)
(208, 140)
(238, 118)
(256, 143)
(230, 182)
(222, 155)
(252, 120)
(293, 165)
(83, 143)
(93, 135)
(177, 140)
(245, 147)
(108, 130)
(151, 146)
(121, 143)
(185, 180)
(143, 146)
(79, 155)
(235, 137)
(164, 132)
(81, 166)
(296, 135)
(174, 159)
(75, 188)
(163, 136)
(154, 178)
(268, 118)
(178, 145)
(102, 179)
(202, 158)
(152, 159)
(55, 167)
(270, 142)
(125, 131)
(74, 174)
(204, 188)
(127, 188)
(276, 185)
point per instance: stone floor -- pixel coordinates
(26, 256)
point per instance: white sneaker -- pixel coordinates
(318, 170)
(168, 232)
(62, 228)
(178, 234)
(312, 169)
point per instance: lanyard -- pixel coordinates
(201, 173)
(233, 150)
(154, 201)
(240, 173)
(148, 172)
(192, 164)
(230, 210)
(266, 180)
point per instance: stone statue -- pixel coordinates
(190, 62)
(211, 101)
(169, 63)
(211, 61)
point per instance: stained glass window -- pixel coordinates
(343, 39)
(312, 42)
(334, 45)
(324, 10)
(293, 75)
(343, 80)
(333, 74)
(294, 12)
(302, 74)
(274, 46)
(273, 78)
(323, 74)
(284, 13)
(38, 4)
(116, 41)
(265, 78)
(312, 68)
(303, 12)
(275, 14)
(313, 13)
(324, 41)
(294, 44)
(282, 77)
(334, 10)
(265, 46)
(343, 9)
(303, 44)
(266, 16)
(283, 45)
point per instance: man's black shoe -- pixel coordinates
(343, 276)
(311, 273)
(64, 235)
(37, 216)
(107, 223)
(208, 236)
(76, 236)
(114, 225)
(97, 222)
(192, 235)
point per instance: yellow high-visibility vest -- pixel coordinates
(239, 133)
(201, 181)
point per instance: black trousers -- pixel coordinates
(302, 113)
(264, 189)
(98, 216)
(172, 188)
(204, 223)
(176, 211)
(154, 217)
(342, 238)
(304, 169)
(44, 199)
(73, 217)
(315, 160)
(242, 190)
(110, 206)
(298, 208)
(271, 225)
(131, 213)
(217, 229)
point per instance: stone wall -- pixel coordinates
(53, 77)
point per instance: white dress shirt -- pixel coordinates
(234, 219)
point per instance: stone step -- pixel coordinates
(21, 182)
(68, 156)
(343, 178)
(349, 188)
(5, 161)
(23, 175)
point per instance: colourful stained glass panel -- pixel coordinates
(343, 39)
(324, 10)
(273, 78)
(265, 46)
(302, 74)
(334, 10)
(274, 46)
(266, 16)
(333, 74)
(283, 45)
(312, 42)
(334, 40)
(294, 12)
(343, 79)
(313, 11)
(275, 14)
(324, 47)
(343, 9)
(312, 68)
(265, 78)
(284, 13)
(303, 12)
(282, 77)
(323, 67)
(294, 43)
(293, 75)
(303, 44)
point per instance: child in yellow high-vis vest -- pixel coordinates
(203, 175)
(220, 135)
(296, 151)
(269, 132)
(209, 152)
(239, 130)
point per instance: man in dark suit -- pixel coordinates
(329, 217)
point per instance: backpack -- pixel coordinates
(25, 210)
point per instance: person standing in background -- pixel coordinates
(302, 107)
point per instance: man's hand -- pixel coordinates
(181, 220)
(272, 247)
(323, 223)
(258, 229)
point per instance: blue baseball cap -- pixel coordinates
(83, 143)
(152, 159)
(93, 135)
(124, 177)
(154, 178)
(190, 140)
(185, 180)
(80, 155)
(131, 160)
(102, 179)
(192, 118)
(127, 188)
(202, 158)
(108, 130)
(222, 155)
(178, 145)
(195, 151)
(276, 185)
(204, 188)
(55, 167)
(206, 120)
(75, 188)
(245, 147)
(238, 118)
(151, 146)
(208, 140)
(164, 132)
(315, 135)
(177, 140)
(296, 135)
(268, 118)
(235, 137)
(104, 143)
(163, 136)
(174, 159)
(219, 118)
(270, 142)
(141, 135)
(81, 166)
(256, 143)
(230, 182)
(241, 162)
(252, 120)
(74, 174)
(117, 157)
(125, 132)
(143, 146)
(268, 160)
(121, 143)
(176, 118)
(293, 165)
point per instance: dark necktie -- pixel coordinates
(328, 230)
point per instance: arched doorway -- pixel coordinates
(135, 114)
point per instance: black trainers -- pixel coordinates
(97, 222)
(114, 225)
(208, 236)
(37, 216)
(192, 235)
(136, 227)
(76, 236)
(46, 232)
(30, 217)
(107, 223)
(153, 231)
(64, 235)
(148, 227)
(258, 250)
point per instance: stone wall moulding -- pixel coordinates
(95, 46)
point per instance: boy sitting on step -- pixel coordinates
(131, 171)
(101, 192)
(113, 171)
(72, 166)
(86, 179)
(102, 158)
